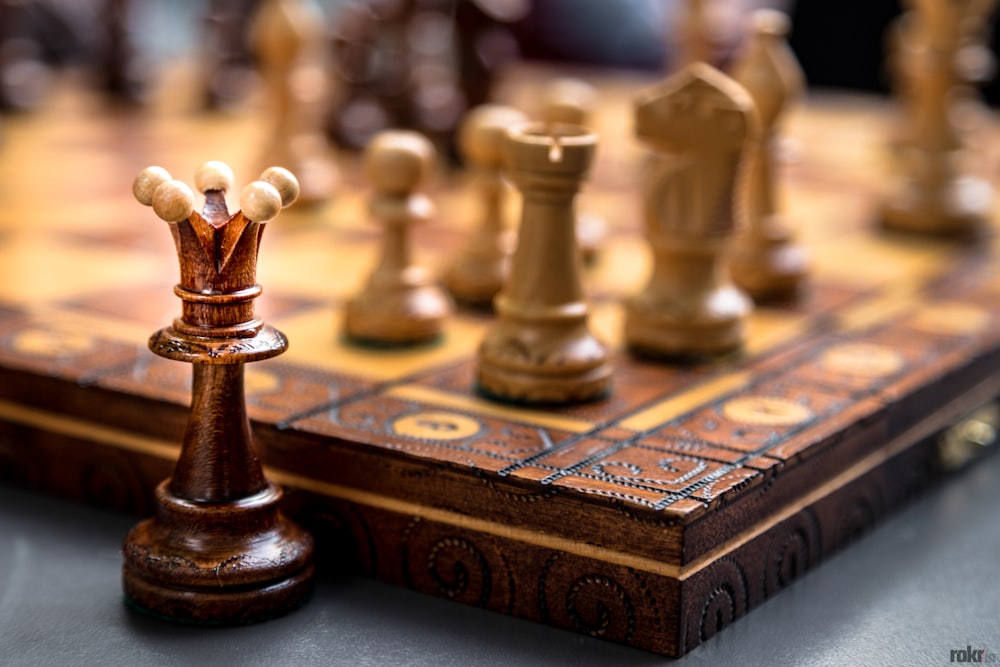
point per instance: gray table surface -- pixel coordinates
(926, 581)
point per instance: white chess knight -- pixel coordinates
(699, 122)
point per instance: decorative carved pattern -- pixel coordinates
(594, 603)
(792, 552)
(173, 345)
(725, 600)
(858, 516)
(442, 560)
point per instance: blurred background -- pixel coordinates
(422, 63)
(840, 44)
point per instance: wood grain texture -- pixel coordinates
(218, 549)
(654, 517)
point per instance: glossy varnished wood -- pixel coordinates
(218, 550)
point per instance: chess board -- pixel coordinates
(653, 518)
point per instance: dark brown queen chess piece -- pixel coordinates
(541, 349)
(217, 551)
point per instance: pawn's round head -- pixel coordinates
(213, 175)
(483, 131)
(398, 161)
(569, 101)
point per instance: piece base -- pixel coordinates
(661, 338)
(525, 388)
(225, 606)
(961, 210)
(769, 271)
(398, 319)
(222, 563)
(434, 340)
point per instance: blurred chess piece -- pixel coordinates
(25, 78)
(702, 122)
(541, 349)
(399, 304)
(691, 38)
(707, 31)
(287, 36)
(362, 103)
(766, 261)
(572, 101)
(226, 62)
(481, 268)
(121, 70)
(486, 43)
(937, 191)
(417, 64)
(397, 62)
(976, 66)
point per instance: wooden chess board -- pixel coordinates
(653, 518)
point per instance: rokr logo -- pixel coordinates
(973, 655)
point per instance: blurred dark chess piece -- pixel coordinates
(24, 74)
(416, 64)
(372, 78)
(227, 64)
(486, 43)
(119, 67)
(976, 65)
(218, 550)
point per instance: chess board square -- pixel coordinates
(857, 423)
(703, 450)
(861, 365)
(550, 465)
(54, 348)
(636, 383)
(431, 431)
(822, 296)
(887, 261)
(275, 392)
(316, 339)
(39, 267)
(759, 416)
(650, 476)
